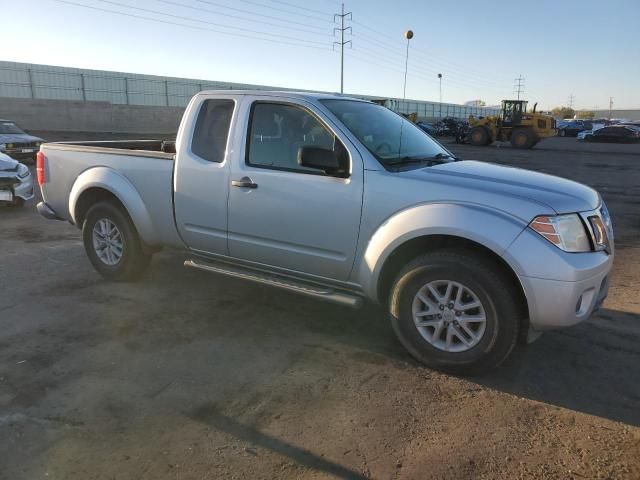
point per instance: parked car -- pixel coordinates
(428, 128)
(17, 143)
(16, 183)
(615, 134)
(571, 129)
(344, 200)
(581, 136)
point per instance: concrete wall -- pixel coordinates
(68, 115)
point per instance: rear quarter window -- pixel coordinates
(210, 134)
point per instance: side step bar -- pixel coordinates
(320, 292)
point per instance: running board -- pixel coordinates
(311, 290)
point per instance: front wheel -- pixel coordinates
(454, 311)
(112, 243)
(523, 138)
(479, 136)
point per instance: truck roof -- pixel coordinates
(284, 93)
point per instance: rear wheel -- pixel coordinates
(522, 138)
(478, 136)
(112, 243)
(453, 311)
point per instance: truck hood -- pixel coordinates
(557, 194)
(18, 138)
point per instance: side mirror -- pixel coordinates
(321, 159)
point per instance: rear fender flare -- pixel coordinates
(117, 184)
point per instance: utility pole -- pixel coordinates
(610, 106)
(408, 35)
(571, 99)
(518, 86)
(342, 43)
(440, 78)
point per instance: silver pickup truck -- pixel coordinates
(344, 200)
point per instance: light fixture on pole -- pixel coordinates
(408, 35)
(440, 78)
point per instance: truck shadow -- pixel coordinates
(589, 368)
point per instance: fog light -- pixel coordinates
(579, 304)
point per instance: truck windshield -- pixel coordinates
(9, 127)
(392, 139)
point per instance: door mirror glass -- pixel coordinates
(320, 159)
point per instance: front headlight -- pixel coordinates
(566, 232)
(3, 147)
(23, 171)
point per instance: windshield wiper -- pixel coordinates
(433, 160)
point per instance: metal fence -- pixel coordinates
(22, 80)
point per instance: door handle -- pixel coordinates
(244, 182)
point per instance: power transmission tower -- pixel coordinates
(571, 99)
(610, 106)
(518, 86)
(342, 16)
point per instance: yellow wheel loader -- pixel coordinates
(514, 124)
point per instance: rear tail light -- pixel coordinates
(41, 161)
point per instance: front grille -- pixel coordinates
(17, 146)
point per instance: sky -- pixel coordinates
(582, 48)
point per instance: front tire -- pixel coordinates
(455, 311)
(523, 138)
(478, 136)
(112, 243)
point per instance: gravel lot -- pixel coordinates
(186, 375)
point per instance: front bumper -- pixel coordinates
(561, 288)
(19, 188)
(556, 304)
(26, 153)
(25, 189)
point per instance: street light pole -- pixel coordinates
(408, 35)
(440, 78)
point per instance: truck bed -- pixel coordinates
(145, 164)
(155, 146)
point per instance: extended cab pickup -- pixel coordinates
(344, 200)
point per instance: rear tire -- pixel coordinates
(486, 342)
(523, 138)
(112, 243)
(478, 136)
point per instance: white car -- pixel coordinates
(16, 182)
(581, 135)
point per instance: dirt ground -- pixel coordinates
(187, 375)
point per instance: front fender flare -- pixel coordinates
(494, 229)
(114, 182)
